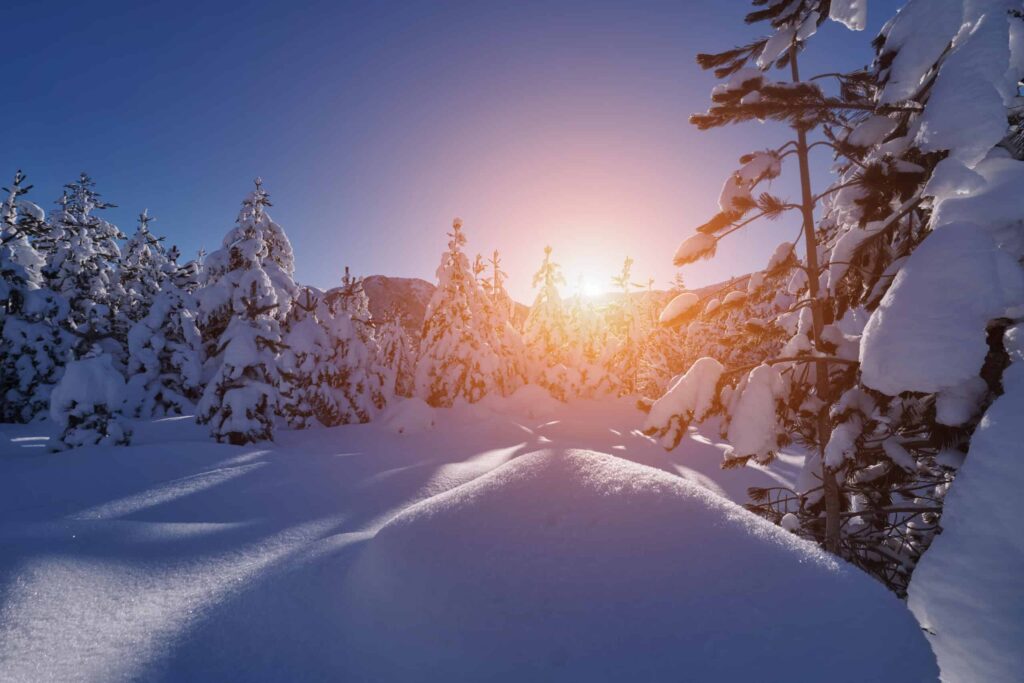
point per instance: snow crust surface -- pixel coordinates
(179, 559)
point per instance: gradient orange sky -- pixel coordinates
(374, 124)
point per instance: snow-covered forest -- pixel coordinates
(807, 469)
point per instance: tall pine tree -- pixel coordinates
(456, 360)
(82, 266)
(33, 340)
(248, 293)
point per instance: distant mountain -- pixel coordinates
(409, 296)
(406, 296)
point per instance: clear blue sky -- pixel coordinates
(373, 124)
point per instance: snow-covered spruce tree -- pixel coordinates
(248, 293)
(306, 351)
(33, 345)
(164, 365)
(498, 311)
(86, 404)
(922, 164)
(397, 357)
(590, 350)
(630, 326)
(146, 267)
(165, 357)
(494, 285)
(545, 331)
(349, 383)
(189, 276)
(790, 396)
(165, 349)
(82, 265)
(662, 357)
(924, 263)
(456, 359)
(925, 321)
(737, 323)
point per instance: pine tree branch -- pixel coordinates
(792, 359)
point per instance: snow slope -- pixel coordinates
(579, 566)
(181, 559)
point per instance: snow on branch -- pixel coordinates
(690, 397)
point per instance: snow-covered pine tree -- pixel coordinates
(33, 344)
(545, 331)
(305, 354)
(165, 357)
(915, 218)
(663, 352)
(678, 285)
(590, 350)
(903, 274)
(349, 386)
(164, 345)
(630, 326)
(742, 332)
(86, 404)
(495, 286)
(396, 355)
(82, 258)
(456, 360)
(165, 351)
(248, 293)
(662, 359)
(190, 275)
(498, 311)
(923, 272)
(789, 396)
(145, 268)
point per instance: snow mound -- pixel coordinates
(408, 416)
(967, 589)
(574, 565)
(87, 383)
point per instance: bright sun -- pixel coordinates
(591, 286)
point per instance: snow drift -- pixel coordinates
(574, 565)
(967, 590)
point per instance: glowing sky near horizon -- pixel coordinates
(374, 124)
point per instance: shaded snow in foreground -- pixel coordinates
(607, 570)
(181, 559)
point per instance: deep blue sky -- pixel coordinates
(373, 124)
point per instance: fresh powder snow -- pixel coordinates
(177, 558)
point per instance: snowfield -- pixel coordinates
(496, 542)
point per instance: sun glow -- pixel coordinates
(590, 286)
